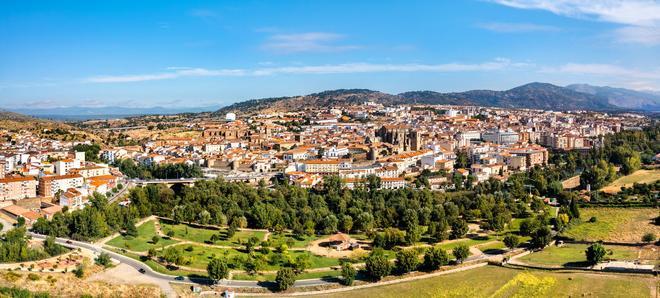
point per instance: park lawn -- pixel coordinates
(504, 282)
(200, 256)
(203, 235)
(613, 224)
(494, 247)
(574, 254)
(288, 238)
(466, 241)
(639, 176)
(271, 276)
(143, 241)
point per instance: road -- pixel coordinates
(121, 192)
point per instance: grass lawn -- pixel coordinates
(202, 255)
(495, 247)
(304, 275)
(468, 242)
(143, 240)
(503, 282)
(573, 254)
(614, 224)
(202, 235)
(639, 176)
(291, 241)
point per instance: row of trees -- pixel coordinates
(14, 247)
(627, 150)
(332, 208)
(97, 220)
(160, 171)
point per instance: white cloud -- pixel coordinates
(628, 12)
(516, 27)
(306, 42)
(642, 35)
(641, 18)
(178, 72)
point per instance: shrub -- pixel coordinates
(406, 261)
(511, 241)
(593, 219)
(461, 253)
(435, 257)
(648, 237)
(377, 265)
(348, 273)
(103, 259)
(595, 253)
(285, 279)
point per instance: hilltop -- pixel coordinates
(536, 95)
(44, 128)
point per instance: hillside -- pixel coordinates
(533, 96)
(321, 99)
(44, 128)
(621, 97)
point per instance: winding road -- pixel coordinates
(137, 265)
(164, 280)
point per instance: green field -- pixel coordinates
(503, 282)
(292, 241)
(200, 256)
(142, 242)
(573, 254)
(202, 235)
(468, 242)
(614, 224)
(271, 277)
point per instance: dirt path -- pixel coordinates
(124, 274)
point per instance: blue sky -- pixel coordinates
(197, 53)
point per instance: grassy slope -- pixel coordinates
(639, 176)
(614, 224)
(200, 235)
(573, 254)
(502, 282)
(143, 241)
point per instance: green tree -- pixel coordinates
(461, 252)
(302, 263)
(406, 260)
(459, 229)
(348, 273)
(103, 259)
(511, 241)
(285, 279)
(541, 237)
(595, 253)
(377, 265)
(217, 269)
(435, 257)
(155, 239)
(528, 226)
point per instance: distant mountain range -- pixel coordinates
(542, 96)
(85, 113)
(621, 97)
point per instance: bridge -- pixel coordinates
(230, 176)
